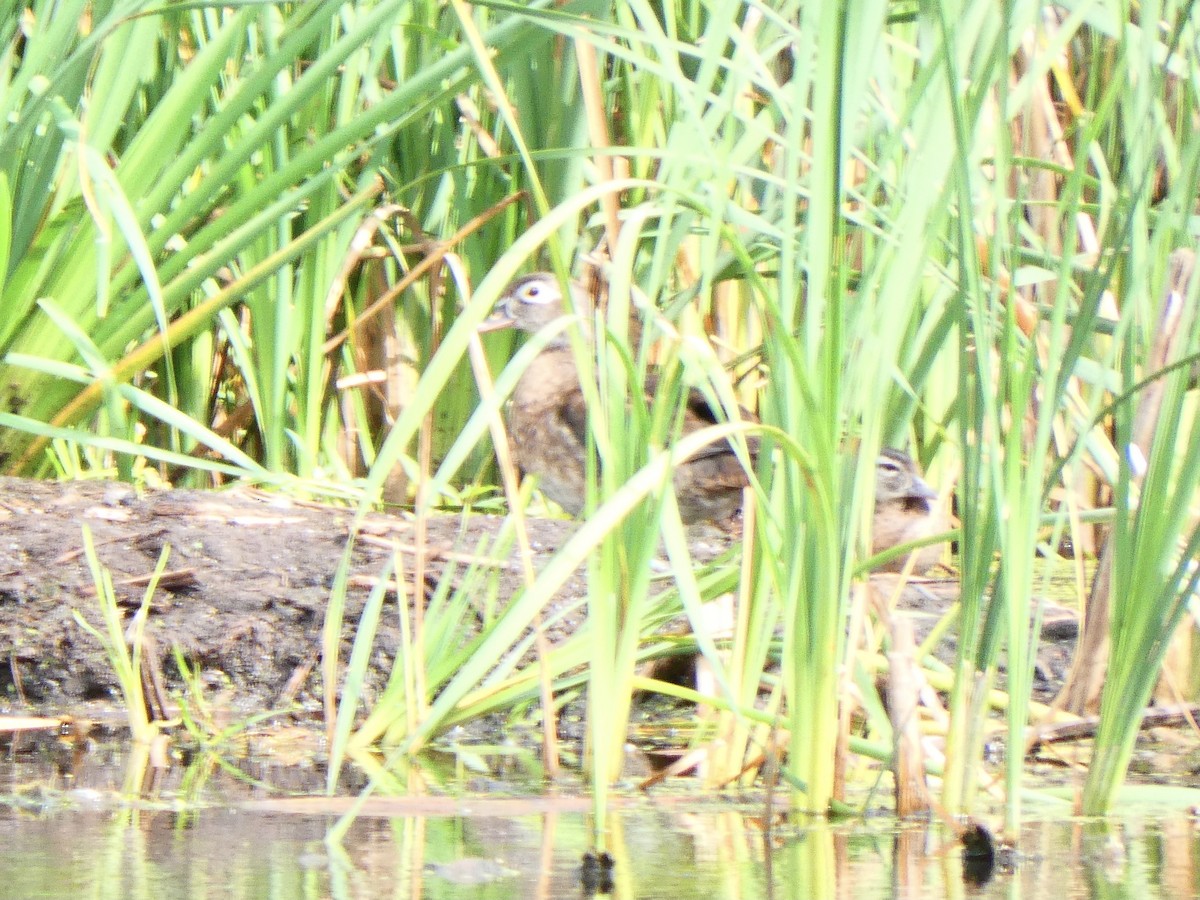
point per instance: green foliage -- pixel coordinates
(124, 654)
(226, 164)
(934, 226)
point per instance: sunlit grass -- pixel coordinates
(125, 653)
(898, 226)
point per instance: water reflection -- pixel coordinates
(213, 835)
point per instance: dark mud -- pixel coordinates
(248, 582)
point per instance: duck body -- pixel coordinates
(544, 422)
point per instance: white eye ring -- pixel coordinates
(536, 293)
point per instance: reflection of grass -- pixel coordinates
(205, 720)
(123, 647)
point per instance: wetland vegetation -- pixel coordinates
(246, 249)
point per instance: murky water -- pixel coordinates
(103, 830)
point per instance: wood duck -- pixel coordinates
(904, 510)
(548, 419)
(548, 423)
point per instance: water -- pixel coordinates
(96, 825)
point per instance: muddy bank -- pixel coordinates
(248, 582)
(247, 585)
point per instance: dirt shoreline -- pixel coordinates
(250, 580)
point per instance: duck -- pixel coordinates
(548, 421)
(905, 510)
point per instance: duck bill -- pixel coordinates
(922, 491)
(497, 321)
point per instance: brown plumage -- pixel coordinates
(904, 509)
(548, 419)
(548, 423)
